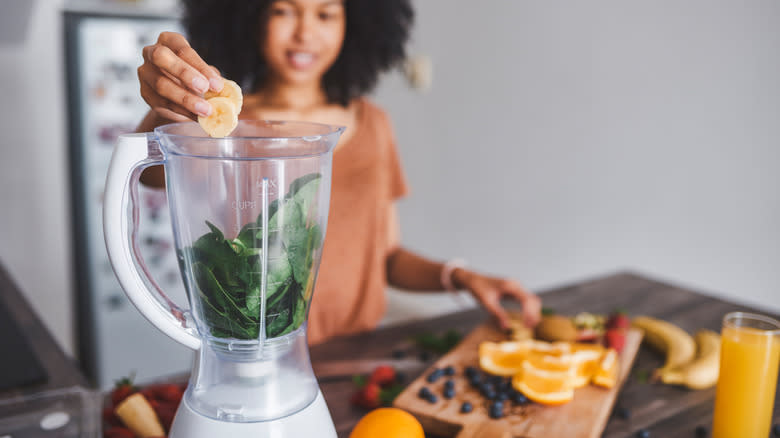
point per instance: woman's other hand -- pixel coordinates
(174, 77)
(490, 290)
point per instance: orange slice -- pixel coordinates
(587, 346)
(544, 386)
(546, 362)
(544, 398)
(606, 374)
(548, 375)
(503, 358)
(585, 363)
(545, 381)
(550, 348)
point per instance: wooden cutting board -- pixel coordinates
(584, 417)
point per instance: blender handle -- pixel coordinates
(132, 154)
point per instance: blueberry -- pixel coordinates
(475, 380)
(449, 393)
(449, 384)
(424, 392)
(399, 354)
(519, 398)
(624, 413)
(701, 431)
(485, 387)
(496, 410)
(643, 433)
(501, 396)
(466, 407)
(435, 375)
(449, 371)
(471, 371)
(432, 398)
(490, 395)
(495, 380)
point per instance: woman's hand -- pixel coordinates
(174, 77)
(490, 290)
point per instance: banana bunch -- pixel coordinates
(691, 362)
(225, 107)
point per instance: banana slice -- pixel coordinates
(231, 90)
(223, 119)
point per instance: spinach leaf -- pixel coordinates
(300, 250)
(296, 185)
(279, 270)
(223, 299)
(220, 322)
(299, 314)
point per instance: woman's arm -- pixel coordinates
(151, 121)
(409, 271)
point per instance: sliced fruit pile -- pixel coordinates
(225, 107)
(549, 372)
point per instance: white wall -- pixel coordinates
(562, 140)
(34, 217)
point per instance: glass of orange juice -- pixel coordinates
(744, 398)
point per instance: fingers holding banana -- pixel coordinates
(174, 78)
(167, 98)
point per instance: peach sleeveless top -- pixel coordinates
(349, 295)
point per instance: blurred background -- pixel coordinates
(546, 141)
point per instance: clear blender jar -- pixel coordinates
(249, 215)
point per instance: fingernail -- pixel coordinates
(203, 108)
(216, 84)
(200, 84)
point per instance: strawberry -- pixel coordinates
(166, 412)
(368, 396)
(168, 392)
(615, 338)
(110, 418)
(383, 375)
(118, 432)
(618, 320)
(123, 388)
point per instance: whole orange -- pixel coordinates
(388, 423)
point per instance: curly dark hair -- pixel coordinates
(226, 33)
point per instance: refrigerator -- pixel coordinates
(103, 43)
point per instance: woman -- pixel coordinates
(315, 60)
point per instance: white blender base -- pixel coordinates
(312, 421)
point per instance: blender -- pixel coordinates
(249, 214)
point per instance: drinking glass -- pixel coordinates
(744, 398)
